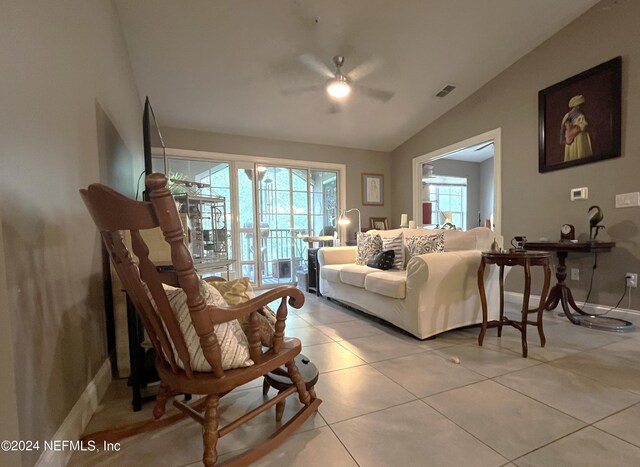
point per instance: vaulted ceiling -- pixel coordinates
(230, 66)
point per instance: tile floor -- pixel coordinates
(392, 400)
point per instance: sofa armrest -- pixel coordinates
(337, 255)
(441, 266)
(441, 278)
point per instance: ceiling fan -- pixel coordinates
(339, 85)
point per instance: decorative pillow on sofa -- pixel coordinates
(233, 342)
(383, 260)
(240, 291)
(395, 244)
(423, 244)
(368, 245)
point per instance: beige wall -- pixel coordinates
(358, 161)
(69, 103)
(537, 204)
(10, 427)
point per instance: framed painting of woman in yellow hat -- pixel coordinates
(579, 118)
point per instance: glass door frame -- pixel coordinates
(237, 160)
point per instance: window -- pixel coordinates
(448, 194)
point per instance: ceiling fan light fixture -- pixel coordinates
(338, 88)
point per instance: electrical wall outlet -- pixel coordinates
(627, 200)
(575, 274)
(632, 279)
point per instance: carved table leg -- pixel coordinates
(483, 301)
(545, 288)
(501, 301)
(554, 298)
(525, 307)
(561, 293)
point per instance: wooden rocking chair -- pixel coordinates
(113, 213)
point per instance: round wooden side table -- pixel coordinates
(279, 380)
(526, 259)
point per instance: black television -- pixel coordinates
(153, 142)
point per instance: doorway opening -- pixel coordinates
(459, 186)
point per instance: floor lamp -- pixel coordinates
(344, 220)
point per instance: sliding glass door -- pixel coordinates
(292, 205)
(271, 212)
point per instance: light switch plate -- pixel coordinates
(579, 193)
(628, 200)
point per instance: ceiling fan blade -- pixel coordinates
(485, 146)
(365, 69)
(301, 90)
(379, 94)
(316, 65)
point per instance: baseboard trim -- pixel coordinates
(591, 308)
(74, 425)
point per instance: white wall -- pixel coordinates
(69, 105)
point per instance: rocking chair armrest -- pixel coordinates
(231, 312)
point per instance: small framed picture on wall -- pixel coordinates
(372, 189)
(379, 223)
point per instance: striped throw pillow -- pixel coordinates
(233, 342)
(396, 244)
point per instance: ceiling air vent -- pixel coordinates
(445, 90)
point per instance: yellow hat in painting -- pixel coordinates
(576, 100)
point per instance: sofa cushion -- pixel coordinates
(331, 272)
(368, 245)
(423, 244)
(354, 274)
(395, 244)
(383, 260)
(389, 283)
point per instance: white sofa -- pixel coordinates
(436, 292)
